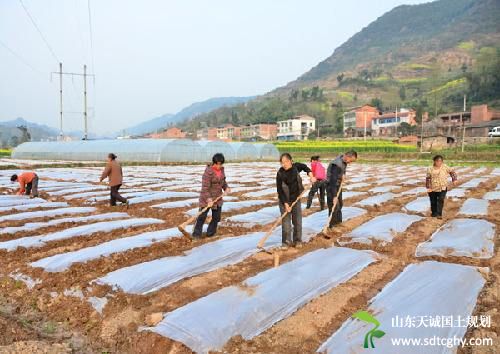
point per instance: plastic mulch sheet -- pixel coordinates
(493, 195)
(77, 231)
(33, 206)
(162, 195)
(473, 206)
(419, 205)
(382, 228)
(47, 213)
(63, 261)
(261, 301)
(423, 293)
(150, 276)
(230, 206)
(377, 199)
(473, 183)
(456, 193)
(261, 217)
(73, 219)
(20, 201)
(461, 238)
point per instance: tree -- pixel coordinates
(407, 129)
(376, 102)
(464, 67)
(294, 95)
(315, 93)
(402, 93)
(340, 78)
(305, 94)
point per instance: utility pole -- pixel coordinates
(85, 136)
(422, 133)
(463, 123)
(85, 75)
(60, 102)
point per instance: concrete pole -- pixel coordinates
(463, 123)
(60, 102)
(85, 101)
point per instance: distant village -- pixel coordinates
(366, 120)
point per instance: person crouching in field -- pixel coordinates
(28, 183)
(289, 186)
(213, 185)
(319, 173)
(335, 176)
(436, 182)
(113, 171)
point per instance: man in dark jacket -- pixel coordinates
(335, 175)
(289, 186)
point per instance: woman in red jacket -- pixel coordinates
(212, 186)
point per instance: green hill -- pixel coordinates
(423, 56)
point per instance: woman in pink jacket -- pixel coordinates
(318, 171)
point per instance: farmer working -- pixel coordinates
(213, 185)
(113, 171)
(436, 183)
(335, 176)
(319, 186)
(28, 183)
(289, 186)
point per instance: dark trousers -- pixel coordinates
(115, 196)
(212, 227)
(317, 186)
(32, 187)
(437, 202)
(294, 218)
(337, 212)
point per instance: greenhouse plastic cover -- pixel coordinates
(142, 150)
(473, 206)
(419, 205)
(61, 262)
(382, 228)
(150, 276)
(83, 230)
(73, 219)
(462, 238)
(426, 290)
(259, 302)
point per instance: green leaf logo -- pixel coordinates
(374, 332)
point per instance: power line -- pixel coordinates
(39, 31)
(20, 58)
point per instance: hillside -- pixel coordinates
(197, 108)
(423, 56)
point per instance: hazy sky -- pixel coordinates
(155, 57)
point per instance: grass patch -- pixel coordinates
(412, 80)
(5, 152)
(342, 146)
(469, 45)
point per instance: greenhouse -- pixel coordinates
(267, 151)
(245, 151)
(144, 150)
(209, 148)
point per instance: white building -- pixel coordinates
(297, 128)
(387, 124)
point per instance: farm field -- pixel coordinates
(77, 275)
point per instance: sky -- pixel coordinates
(152, 57)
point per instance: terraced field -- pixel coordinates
(77, 275)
